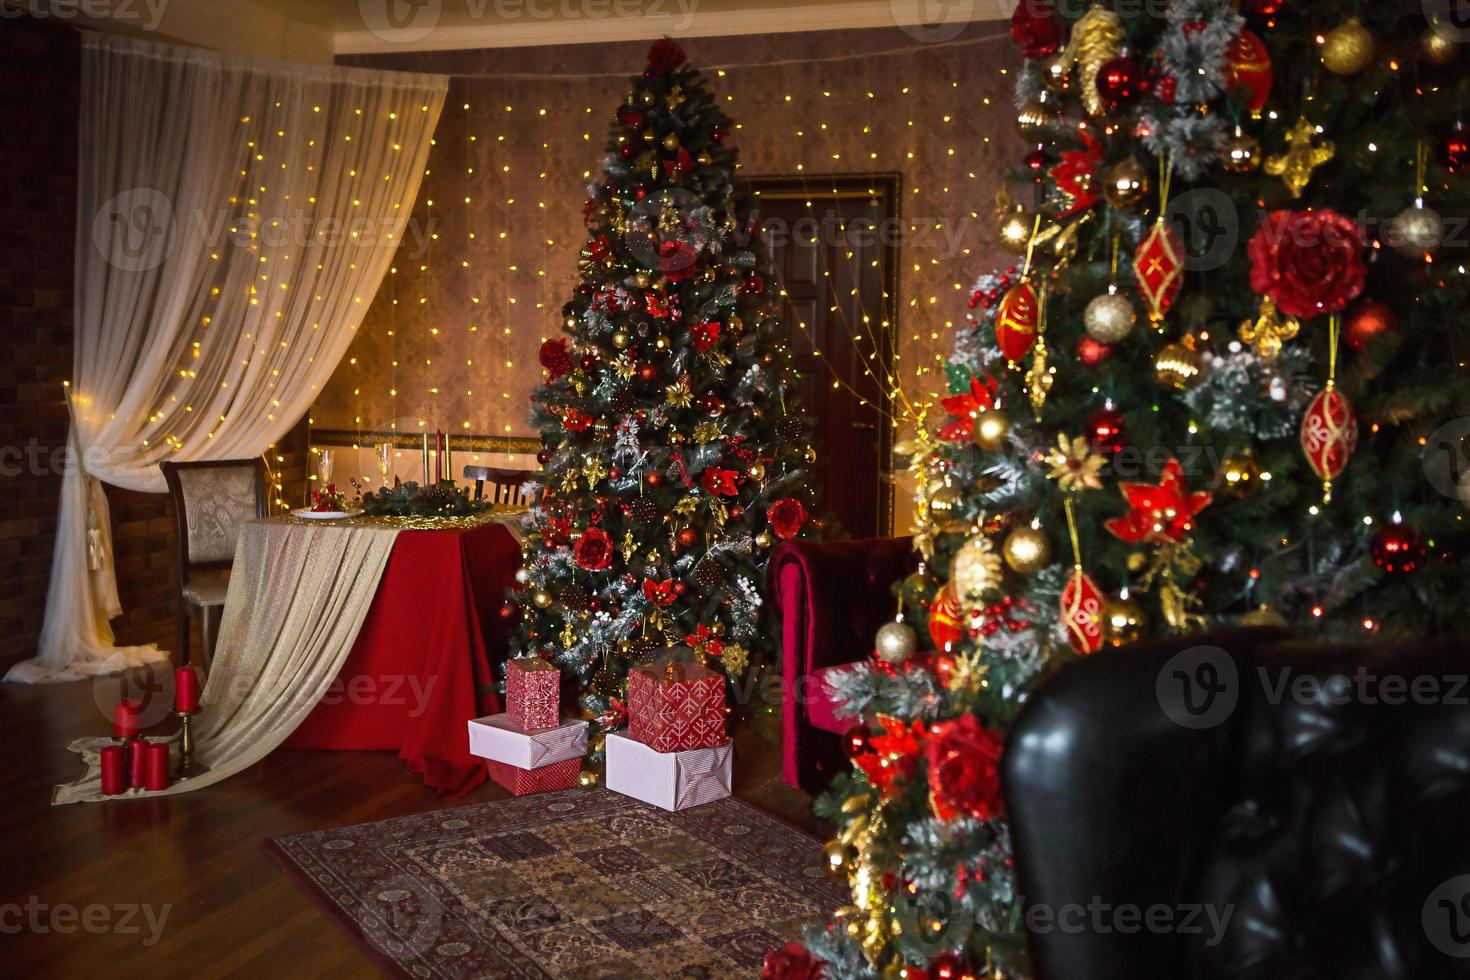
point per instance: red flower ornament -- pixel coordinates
(1309, 262)
(719, 483)
(787, 516)
(965, 407)
(964, 769)
(555, 357)
(705, 334)
(661, 594)
(664, 56)
(593, 550)
(1162, 514)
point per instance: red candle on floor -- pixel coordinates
(114, 776)
(137, 763)
(186, 690)
(125, 718)
(156, 765)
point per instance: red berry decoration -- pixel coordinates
(1398, 549)
(1120, 81)
(1366, 321)
(1092, 352)
(1105, 431)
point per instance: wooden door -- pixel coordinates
(833, 242)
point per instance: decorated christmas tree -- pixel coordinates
(673, 455)
(1225, 382)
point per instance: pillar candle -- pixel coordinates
(426, 459)
(448, 460)
(125, 718)
(155, 775)
(114, 774)
(137, 763)
(186, 690)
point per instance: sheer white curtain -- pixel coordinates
(234, 219)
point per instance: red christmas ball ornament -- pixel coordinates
(754, 283)
(1397, 548)
(627, 151)
(1454, 150)
(855, 742)
(736, 511)
(1105, 431)
(1092, 352)
(687, 537)
(613, 473)
(1120, 81)
(543, 456)
(946, 625)
(1368, 320)
(713, 404)
(654, 478)
(680, 588)
(1248, 64)
(1037, 160)
(1016, 322)
(1035, 30)
(647, 372)
(589, 362)
(717, 134)
(1329, 434)
(507, 611)
(950, 966)
(1265, 8)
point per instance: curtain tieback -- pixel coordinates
(96, 550)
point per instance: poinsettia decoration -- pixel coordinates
(705, 335)
(574, 420)
(704, 642)
(661, 594)
(556, 358)
(1075, 175)
(1162, 513)
(719, 482)
(964, 769)
(966, 406)
(893, 755)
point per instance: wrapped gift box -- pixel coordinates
(520, 782)
(676, 706)
(671, 780)
(499, 739)
(532, 693)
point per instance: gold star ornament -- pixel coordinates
(1302, 157)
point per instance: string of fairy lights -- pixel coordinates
(499, 138)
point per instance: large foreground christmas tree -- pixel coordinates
(673, 454)
(1225, 383)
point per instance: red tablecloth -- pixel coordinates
(425, 660)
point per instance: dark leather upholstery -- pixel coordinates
(831, 597)
(1320, 820)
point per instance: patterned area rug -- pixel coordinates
(569, 885)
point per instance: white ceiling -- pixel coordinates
(317, 30)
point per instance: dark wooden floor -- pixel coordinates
(230, 910)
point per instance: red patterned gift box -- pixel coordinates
(521, 782)
(677, 706)
(532, 693)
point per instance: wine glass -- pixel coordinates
(324, 467)
(384, 453)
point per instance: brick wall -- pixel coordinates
(39, 75)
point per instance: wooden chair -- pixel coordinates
(505, 484)
(211, 499)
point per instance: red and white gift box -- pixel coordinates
(677, 706)
(532, 692)
(547, 779)
(671, 780)
(497, 738)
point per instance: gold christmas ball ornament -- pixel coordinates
(1110, 317)
(1263, 615)
(1125, 185)
(756, 471)
(1241, 153)
(1123, 621)
(1177, 366)
(621, 339)
(838, 858)
(763, 539)
(1240, 475)
(662, 342)
(895, 642)
(541, 599)
(1416, 231)
(1027, 550)
(1056, 74)
(1349, 48)
(1014, 228)
(1437, 48)
(671, 142)
(944, 505)
(1035, 116)
(991, 429)
(589, 778)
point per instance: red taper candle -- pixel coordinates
(137, 763)
(186, 690)
(125, 718)
(114, 774)
(155, 775)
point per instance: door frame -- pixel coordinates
(886, 188)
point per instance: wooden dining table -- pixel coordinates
(428, 655)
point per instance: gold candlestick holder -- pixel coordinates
(187, 766)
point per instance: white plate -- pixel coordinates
(324, 515)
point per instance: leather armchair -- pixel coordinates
(831, 597)
(1311, 830)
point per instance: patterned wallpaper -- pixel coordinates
(450, 341)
